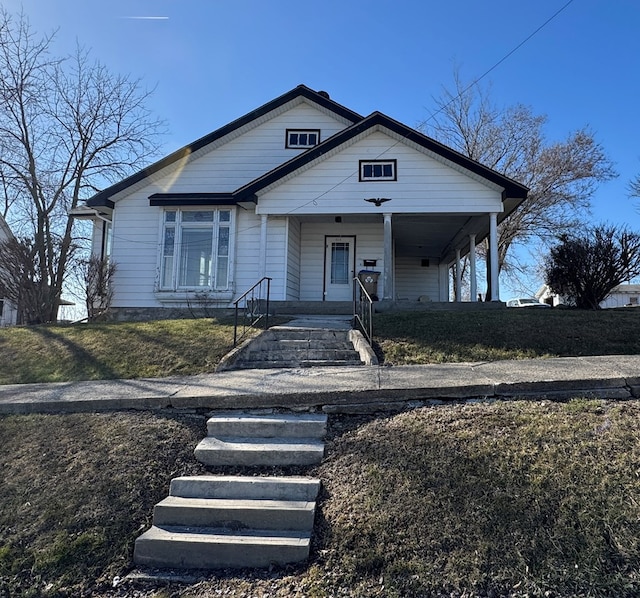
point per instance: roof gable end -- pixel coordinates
(103, 198)
(378, 120)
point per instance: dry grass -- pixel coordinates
(487, 499)
(183, 347)
(440, 337)
(106, 351)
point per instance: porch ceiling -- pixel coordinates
(428, 235)
(433, 236)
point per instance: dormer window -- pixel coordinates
(378, 170)
(302, 138)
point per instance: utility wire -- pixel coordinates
(433, 115)
(497, 64)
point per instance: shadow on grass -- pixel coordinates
(84, 364)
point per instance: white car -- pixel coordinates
(526, 302)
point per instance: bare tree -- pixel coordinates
(561, 176)
(67, 127)
(20, 281)
(97, 274)
(585, 268)
(634, 187)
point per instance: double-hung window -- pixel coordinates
(196, 245)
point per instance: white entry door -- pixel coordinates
(339, 268)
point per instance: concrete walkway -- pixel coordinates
(339, 389)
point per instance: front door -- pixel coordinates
(339, 266)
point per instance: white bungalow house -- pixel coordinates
(624, 295)
(8, 312)
(308, 193)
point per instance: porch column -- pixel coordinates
(263, 246)
(387, 274)
(443, 282)
(473, 281)
(493, 255)
(458, 289)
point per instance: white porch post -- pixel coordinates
(493, 252)
(387, 274)
(263, 245)
(443, 282)
(458, 289)
(473, 281)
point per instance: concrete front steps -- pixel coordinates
(289, 347)
(220, 521)
(250, 440)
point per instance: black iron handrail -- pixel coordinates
(254, 309)
(363, 310)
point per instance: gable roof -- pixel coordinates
(103, 198)
(512, 189)
(4, 227)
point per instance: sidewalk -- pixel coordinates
(339, 389)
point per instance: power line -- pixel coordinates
(497, 64)
(460, 94)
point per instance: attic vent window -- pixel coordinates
(378, 170)
(302, 138)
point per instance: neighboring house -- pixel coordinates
(8, 312)
(624, 295)
(545, 295)
(309, 193)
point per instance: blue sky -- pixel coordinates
(212, 61)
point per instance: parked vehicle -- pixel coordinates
(526, 302)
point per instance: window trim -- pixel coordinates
(289, 145)
(363, 163)
(175, 286)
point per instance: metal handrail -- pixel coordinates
(363, 310)
(252, 311)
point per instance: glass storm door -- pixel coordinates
(339, 267)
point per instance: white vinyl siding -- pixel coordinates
(425, 185)
(413, 281)
(135, 249)
(247, 251)
(244, 158)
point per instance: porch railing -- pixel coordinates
(363, 310)
(251, 308)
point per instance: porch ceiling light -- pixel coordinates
(378, 201)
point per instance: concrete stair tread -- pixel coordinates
(234, 513)
(242, 425)
(213, 548)
(227, 535)
(267, 417)
(296, 364)
(259, 444)
(246, 487)
(237, 504)
(259, 451)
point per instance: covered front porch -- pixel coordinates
(415, 259)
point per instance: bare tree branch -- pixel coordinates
(561, 176)
(585, 268)
(67, 127)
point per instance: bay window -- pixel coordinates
(196, 246)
